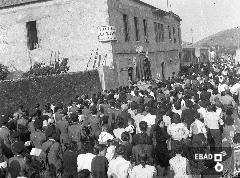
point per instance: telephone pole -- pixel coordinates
(192, 34)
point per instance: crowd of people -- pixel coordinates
(128, 132)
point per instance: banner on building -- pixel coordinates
(107, 33)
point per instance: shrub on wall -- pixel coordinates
(3, 72)
(59, 88)
(41, 69)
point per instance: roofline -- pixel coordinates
(23, 4)
(176, 16)
(155, 8)
(146, 4)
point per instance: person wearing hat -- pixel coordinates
(33, 115)
(38, 137)
(92, 122)
(74, 129)
(113, 113)
(74, 107)
(14, 137)
(17, 164)
(119, 167)
(58, 114)
(4, 131)
(52, 151)
(62, 125)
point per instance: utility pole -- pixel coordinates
(192, 34)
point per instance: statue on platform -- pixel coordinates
(147, 69)
(143, 66)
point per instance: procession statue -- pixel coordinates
(143, 66)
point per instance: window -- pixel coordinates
(126, 28)
(145, 28)
(174, 35)
(32, 38)
(136, 29)
(159, 32)
(179, 36)
(169, 34)
(162, 32)
(156, 31)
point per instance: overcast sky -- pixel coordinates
(205, 17)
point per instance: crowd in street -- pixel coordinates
(129, 132)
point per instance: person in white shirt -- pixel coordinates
(119, 130)
(202, 110)
(110, 153)
(198, 131)
(221, 87)
(138, 118)
(179, 165)
(84, 161)
(119, 167)
(149, 119)
(177, 108)
(143, 170)
(213, 121)
(177, 130)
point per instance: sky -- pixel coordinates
(205, 17)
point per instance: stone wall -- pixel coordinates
(52, 89)
(66, 28)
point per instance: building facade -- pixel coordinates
(45, 30)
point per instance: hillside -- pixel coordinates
(227, 38)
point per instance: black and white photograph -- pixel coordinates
(119, 88)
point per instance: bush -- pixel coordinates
(64, 87)
(3, 72)
(40, 69)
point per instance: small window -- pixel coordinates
(145, 28)
(156, 31)
(126, 27)
(136, 28)
(162, 32)
(169, 34)
(174, 35)
(32, 38)
(159, 32)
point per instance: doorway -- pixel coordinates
(163, 70)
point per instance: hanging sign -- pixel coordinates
(107, 33)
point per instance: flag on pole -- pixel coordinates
(99, 61)
(90, 59)
(167, 3)
(94, 64)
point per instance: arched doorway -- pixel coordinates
(130, 74)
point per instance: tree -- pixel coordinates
(3, 72)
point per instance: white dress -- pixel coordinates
(179, 165)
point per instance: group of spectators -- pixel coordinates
(129, 132)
